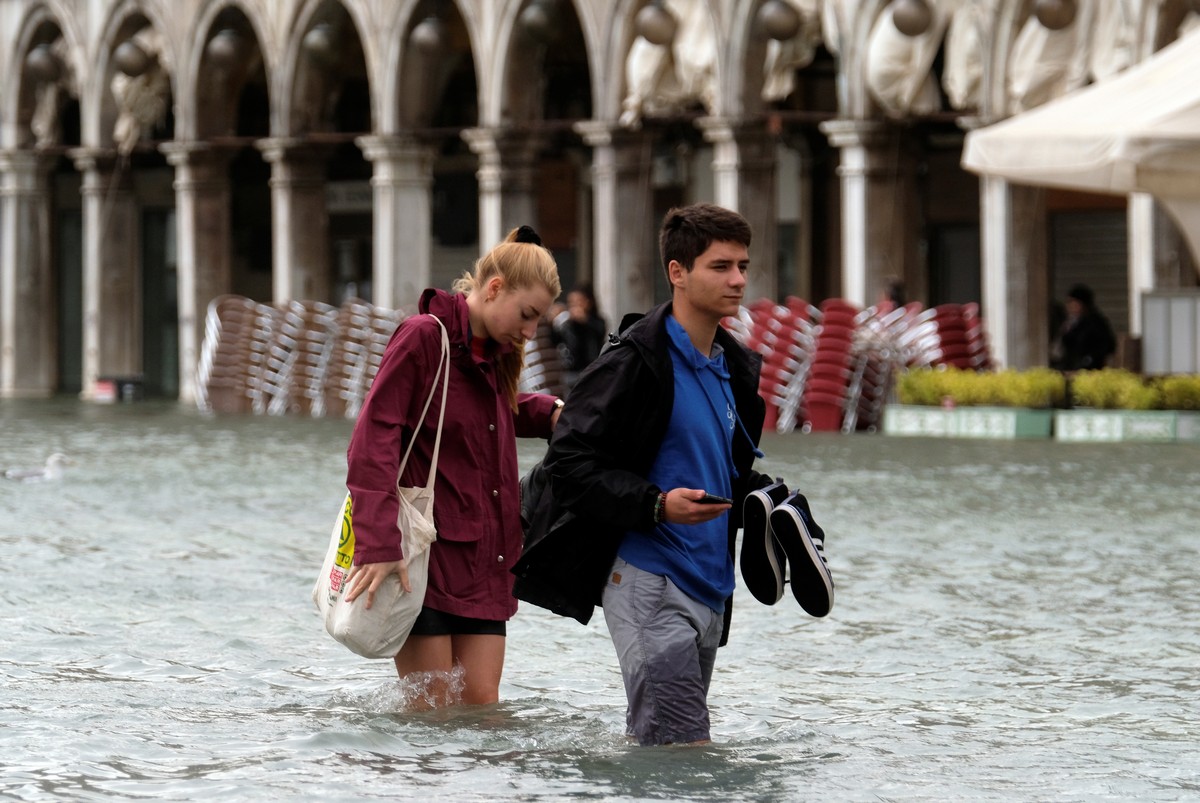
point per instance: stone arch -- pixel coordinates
(45, 22)
(1159, 24)
(856, 100)
(520, 57)
(200, 115)
(416, 81)
(621, 35)
(747, 56)
(393, 50)
(299, 78)
(1010, 18)
(100, 109)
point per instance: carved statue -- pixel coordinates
(666, 79)
(898, 66)
(784, 58)
(143, 99)
(1100, 42)
(49, 96)
(962, 72)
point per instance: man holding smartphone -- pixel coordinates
(666, 419)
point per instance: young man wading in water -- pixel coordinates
(666, 416)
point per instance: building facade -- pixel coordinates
(156, 154)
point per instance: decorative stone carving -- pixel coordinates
(667, 79)
(142, 99)
(785, 57)
(1047, 63)
(967, 40)
(55, 82)
(899, 64)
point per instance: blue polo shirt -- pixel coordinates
(697, 452)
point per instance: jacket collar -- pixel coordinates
(650, 334)
(453, 310)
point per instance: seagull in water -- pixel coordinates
(53, 470)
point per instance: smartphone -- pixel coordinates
(712, 499)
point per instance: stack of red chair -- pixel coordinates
(944, 335)
(877, 357)
(826, 389)
(952, 336)
(979, 350)
(779, 335)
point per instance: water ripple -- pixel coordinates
(1013, 621)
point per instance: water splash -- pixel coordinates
(419, 691)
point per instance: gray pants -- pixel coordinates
(667, 644)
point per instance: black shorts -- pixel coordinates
(438, 623)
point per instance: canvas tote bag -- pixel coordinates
(381, 631)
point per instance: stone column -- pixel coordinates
(403, 185)
(744, 176)
(202, 203)
(299, 221)
(1141, 220)
(508, 161)
(1016, 291)
(112, 293)
(28, 336)
(1159, 256)
(624, 249)
(806, 233)
(871, 240)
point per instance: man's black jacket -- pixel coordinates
(591, 488)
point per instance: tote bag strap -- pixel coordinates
(443, 371)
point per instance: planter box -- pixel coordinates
(1107, 426)
(967, 422)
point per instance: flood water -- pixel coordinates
(1013, 621)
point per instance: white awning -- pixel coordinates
(1138, 131)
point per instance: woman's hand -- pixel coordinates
(369, 576)
(558, 408)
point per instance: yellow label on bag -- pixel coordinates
(345, 553)
(343, 559)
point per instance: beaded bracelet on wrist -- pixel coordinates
(660, 507)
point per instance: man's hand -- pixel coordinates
(683, 507)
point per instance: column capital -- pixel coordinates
(178, 152)
(970, 122)
(717, 129)
(732, 129)
(753, 138)
(93, 158)
(846, 133)
(291, 149)
(392, 147)
(602, 133)
(23, 159)
(596, 133)
(506, 141)
(196, 154)
(483, 142)
(24, 172)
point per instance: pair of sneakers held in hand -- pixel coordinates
(778, 526)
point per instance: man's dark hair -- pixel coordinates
(688, 231)
(1084, 295)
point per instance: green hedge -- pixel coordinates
(1109, 389)
(1038, 387)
